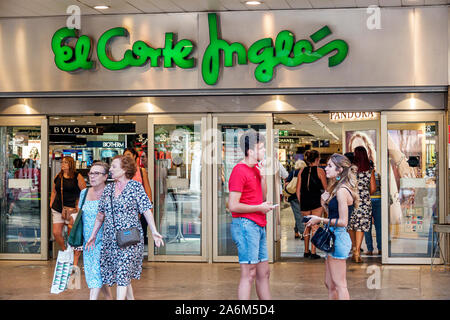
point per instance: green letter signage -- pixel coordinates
(211, 58)
(66, 58)
(264, 53)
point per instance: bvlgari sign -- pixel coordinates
(74, 130)
(266, 54)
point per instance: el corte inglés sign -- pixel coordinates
(266, 54)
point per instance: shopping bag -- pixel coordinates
(63, 270)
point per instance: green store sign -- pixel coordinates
(264, 53)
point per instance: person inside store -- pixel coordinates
(375, 198)
(360, 220)
(248, 206)
(120, 205)
(311, 183)
(142, 177)
(339, 200)
(90, 198)
(294, 202)
(67, 186)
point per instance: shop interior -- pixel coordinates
(412, 176)
(298, 133)
(91, 138)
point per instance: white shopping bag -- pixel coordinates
(63, 270)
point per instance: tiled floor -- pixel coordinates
(295, 279)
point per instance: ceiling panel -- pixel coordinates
(30, 8)
(344, 3)
(166, 5)
(436, 2)
(366, 3)
(233, 4)
(115, 6)
(12, 8)
(277, 4)
(145, 6)
(413, 2)
(322, 4)
(199, 5)
(299, 4)
(390, 3)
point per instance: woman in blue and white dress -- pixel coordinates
(98, 175)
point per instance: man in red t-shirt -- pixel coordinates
(248, 188)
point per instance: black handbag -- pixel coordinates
(324, 238)
(126, 237)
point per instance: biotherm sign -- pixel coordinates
(266, 53)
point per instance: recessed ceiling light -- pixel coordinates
(104, 118)
(101, 7)
(253, 3)
(72, 120)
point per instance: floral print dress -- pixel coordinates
(120, 265)
(91, 258)
(361, 217)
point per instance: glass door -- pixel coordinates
(227, 129)
(178, 178)
(413, 180)
(23, 188)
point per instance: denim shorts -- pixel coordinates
(342, 243)
(250, 240)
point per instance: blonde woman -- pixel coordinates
(339, 200)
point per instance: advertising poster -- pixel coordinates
(365, 138)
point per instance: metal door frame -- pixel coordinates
(401, 117)
(240, 118)
(42, 122)
(180, 119)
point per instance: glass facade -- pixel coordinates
(20, 190)
(231, 154)
(178, 197)
(413, 179)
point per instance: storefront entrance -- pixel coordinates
(189, 164)
(23, 195)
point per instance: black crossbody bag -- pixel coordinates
(324, 238)
(126, 237)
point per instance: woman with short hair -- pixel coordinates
(119, 209)
(90, 198)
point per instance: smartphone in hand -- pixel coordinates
(305, 219)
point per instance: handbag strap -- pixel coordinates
(84, 199)
(62, 191)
